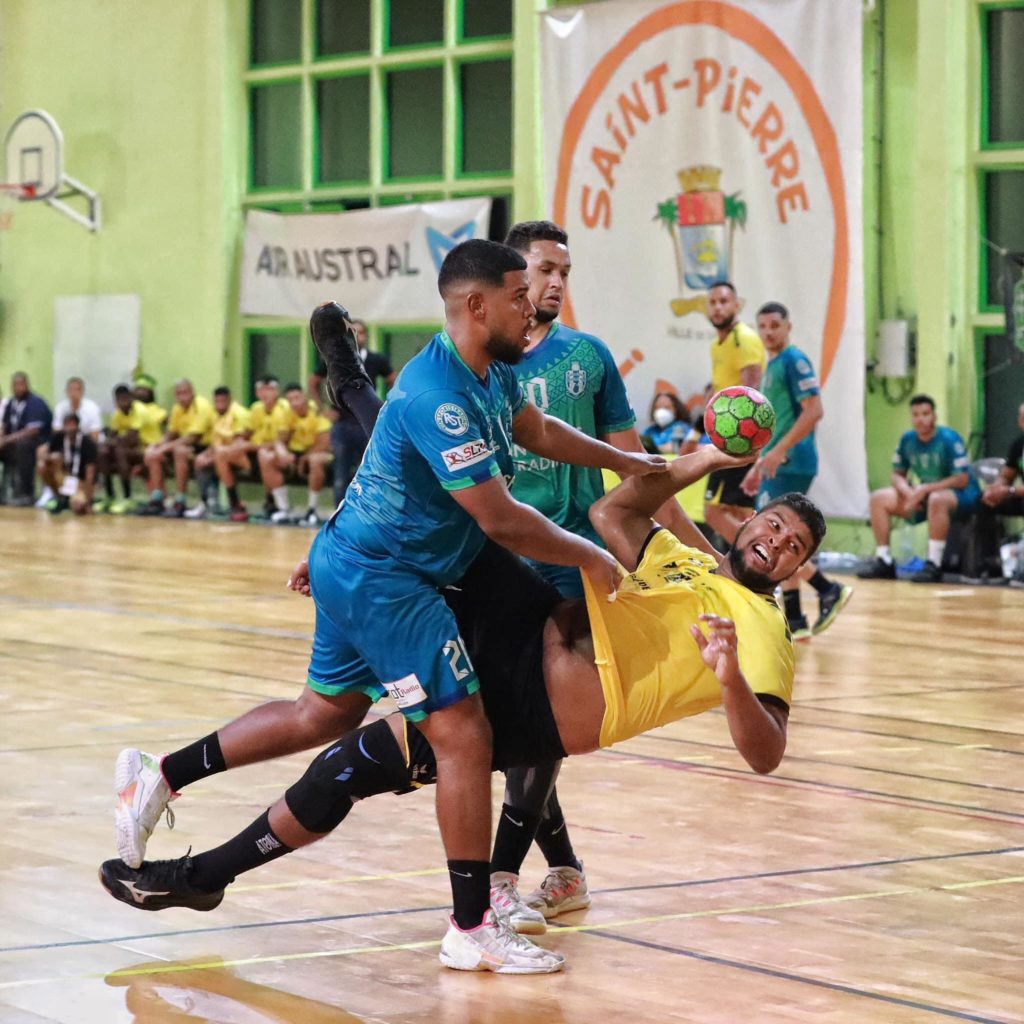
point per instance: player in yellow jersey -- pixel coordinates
(230, 427)
(131, 428)
(688, 630)
(737, 357)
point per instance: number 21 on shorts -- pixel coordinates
(458, 658)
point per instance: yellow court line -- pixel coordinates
(605, 926)
(299, 883)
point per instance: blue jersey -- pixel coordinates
(573, 377)
(944, 455)
(788, 382)
(675, 433)
(442, 428)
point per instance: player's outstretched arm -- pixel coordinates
(758, 730)
(623, 517)
(553, 439)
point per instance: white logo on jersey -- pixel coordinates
(575, 380)
(452, 419)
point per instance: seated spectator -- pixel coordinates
(189, 432)
(1004, 497)
(348, 440)
(133, 426)
(26, 426)
(230, 428)
(670, 431)
(145, 392)
(89, 418)
(937, 458)
(300, 452)
(69, 468)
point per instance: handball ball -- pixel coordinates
(739, 420)
(79, 503)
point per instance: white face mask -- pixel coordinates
(663, 417)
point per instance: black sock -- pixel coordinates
(193, 762)
(233, 496)
(108, 483)
(364, 403)
(126, 486)
(553, 839)
(791, 599)
(819, 582)
(252, 847)
(512, 840)
(471, 891)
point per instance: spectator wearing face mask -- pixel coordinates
(670, 429)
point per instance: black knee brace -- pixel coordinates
(363, 763)
(528, 789)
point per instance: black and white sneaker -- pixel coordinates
(156, 885)
(334, 340)
(930, 573)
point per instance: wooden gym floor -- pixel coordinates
(878, 875)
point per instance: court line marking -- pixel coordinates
(579, 928)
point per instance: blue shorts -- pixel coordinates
(966, 500)
(384, 631)
(566, 579)
(780, 484)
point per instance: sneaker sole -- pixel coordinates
(529, 927)
(217, 898)
(447, 961)
(131, 848)
(844, 600)
(576, 903)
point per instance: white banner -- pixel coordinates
(698, 140)
(382, 264)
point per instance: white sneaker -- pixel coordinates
(142, 796)
(506, 902)
(493, 946)
(282, 515)
(198, 512)
(45, 497)
(563, 890)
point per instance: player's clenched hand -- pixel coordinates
(299, 579)
(719, 647)
(604, 572)
(637, 464)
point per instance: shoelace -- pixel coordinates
(169, 815)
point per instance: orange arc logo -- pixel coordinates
(747, 29)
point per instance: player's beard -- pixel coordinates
(758, 582)
(503, 350)
(725, 325)
(544, 316)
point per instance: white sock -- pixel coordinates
(936, 549)
(882, 552)
(280, 498)
(314, 498)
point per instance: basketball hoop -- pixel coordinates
(10, 194)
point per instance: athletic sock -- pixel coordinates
(882, 553)
(363, 402)
(554, 842)
(196, 761)
(253, 846)
(936, 549)
(791, 600)
(233, 499)
(126, 486)
(314, 499)
(471, 891)
(280, 495)
(820, 582)
(108, 483)
(513, 838)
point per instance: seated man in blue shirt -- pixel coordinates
(25, 426)
(937, 458)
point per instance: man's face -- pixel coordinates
(547, 268)
(507, 318)
(183, 395)
(270, 394)
(297, 400)
(723, 307)
(124, 401)
(19, 386)
(774, 331)
(74, 391)
(922, 419)
(221, 403)
(769, 548)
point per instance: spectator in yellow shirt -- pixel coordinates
(230, 427)
(121, 450)
(189, 432)
(302, 452)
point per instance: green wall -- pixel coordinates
(150, 102)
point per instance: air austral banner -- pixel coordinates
(696, 140)
(382, 263)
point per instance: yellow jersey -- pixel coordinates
(267, 426)
(230, 424)
(306, 429)
(651, 670)
(144, 418)
(741, 348)
(196, 419)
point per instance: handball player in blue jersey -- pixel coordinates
(937, 458)
(431, 493)
(789, 462)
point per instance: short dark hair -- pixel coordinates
(273, 381)
(522, 235)
(71, 416)
(681, 412)
(776, 308)
(294, 387)
(923, 400)
(478, 260)
(808, 512)
(222, 390)
(122, 389)
(722, 283)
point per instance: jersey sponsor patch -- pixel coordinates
(452, 419)
(406, 692)
(808, 383)
(468, 454)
